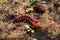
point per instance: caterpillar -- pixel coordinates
(28, 17)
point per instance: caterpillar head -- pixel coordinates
(36, 24)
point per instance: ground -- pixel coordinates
(50, 20)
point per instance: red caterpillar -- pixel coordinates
(29, 18)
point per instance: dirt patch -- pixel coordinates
(50, 20)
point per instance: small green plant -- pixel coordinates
(32, 1)
(28, 30)
(31, 30)
(29, 9)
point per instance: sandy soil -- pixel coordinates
(50, 20)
